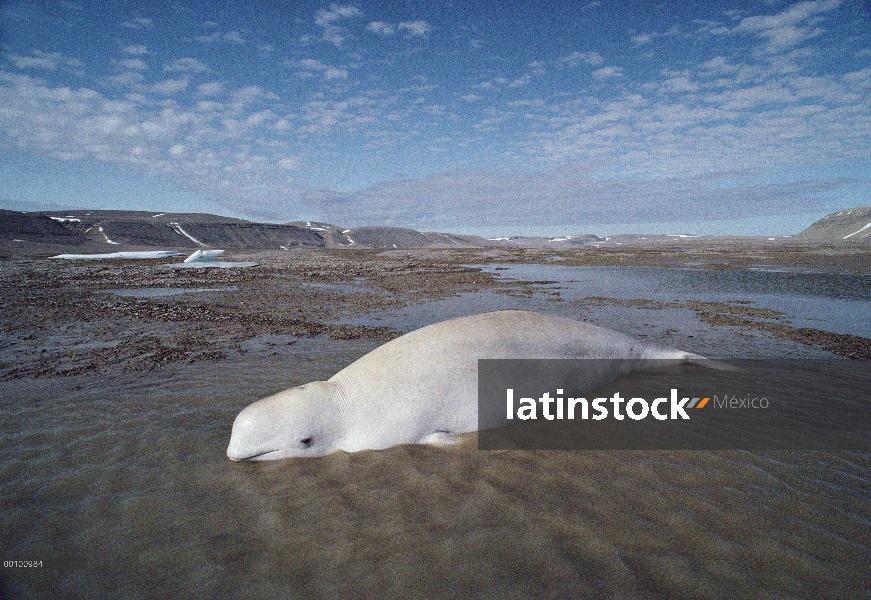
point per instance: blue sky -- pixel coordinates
(478, 117)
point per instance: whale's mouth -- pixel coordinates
(258, 456)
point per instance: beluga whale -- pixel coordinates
(420, 388)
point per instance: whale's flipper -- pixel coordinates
(709, 363)
(443, 438)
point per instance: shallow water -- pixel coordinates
(840, 303)
(129, 474)
(836, 302)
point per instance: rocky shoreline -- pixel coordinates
(60, 318)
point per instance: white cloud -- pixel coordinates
(49, 61)
(139, 23)
(336, 12)
(680, 85)
(720, 116)
(719, 65)
(493, 117)
(642, 38)
(381, 28)
(655, 145)
(212, 88)
(328, 19)
(132, 64)
(288, 163)
(569, 195)
(752, 97)
(415, 28)
(251, 94)
(421, 87)
(310, 65)
(608, 72)
(234, 37)
(537, 67)
(495, 83)
(127, 79)
(169, 86)
(537, 103)
(861, 79)
(335, 73)
(434, 109)
(209, 39)
(789, 28)
(259, 118)
(187, 65)
(32, 62)
(360, 115)
(577, 58)
(153, 135)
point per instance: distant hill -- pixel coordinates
(565, 241)
(95, 231)
(387, 237)
(449, 240)
(403, 238)
(26, 227)
(850, 225)
(181, 230)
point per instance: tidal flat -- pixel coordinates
(117, 410)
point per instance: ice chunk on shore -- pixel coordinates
(204, 255)
(207, 258)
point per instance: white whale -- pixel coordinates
(420, 387)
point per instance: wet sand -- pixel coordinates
(117, 414)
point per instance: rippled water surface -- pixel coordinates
(840, 303)
(836, 302)
(129, 475)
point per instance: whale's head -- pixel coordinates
(301, 421)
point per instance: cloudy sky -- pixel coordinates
(484, 117)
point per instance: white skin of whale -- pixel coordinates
(419, 388)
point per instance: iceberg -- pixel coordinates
(204, 255)
(208, 258)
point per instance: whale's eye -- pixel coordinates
(306, 442)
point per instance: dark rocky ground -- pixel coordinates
(55, 321)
